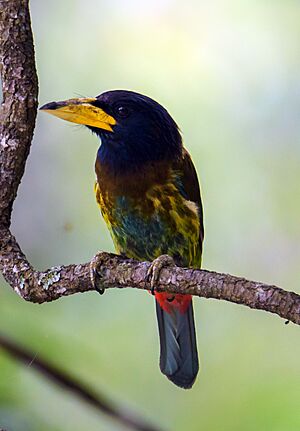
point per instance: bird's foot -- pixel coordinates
(155, 268)
(95, 271)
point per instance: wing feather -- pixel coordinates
(190, 187)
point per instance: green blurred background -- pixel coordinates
(228, 72)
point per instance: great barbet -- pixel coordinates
(148, 193)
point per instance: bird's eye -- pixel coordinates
(122, 111)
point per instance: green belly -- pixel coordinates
(145, 236)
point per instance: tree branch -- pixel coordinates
(118, 272)
(70, 383)
(20, 93)
(18, 117)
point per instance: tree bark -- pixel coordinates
(20, 93)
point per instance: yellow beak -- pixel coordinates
(81, 111)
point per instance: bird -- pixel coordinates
(149, 196)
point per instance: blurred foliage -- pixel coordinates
(228, 71)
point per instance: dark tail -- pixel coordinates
(178, 348)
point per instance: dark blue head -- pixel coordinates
(133, 128)
(144, 131)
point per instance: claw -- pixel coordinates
(155, 268)
(94, 276)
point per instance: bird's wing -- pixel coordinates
(190, 188)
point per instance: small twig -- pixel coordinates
(62, 379)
